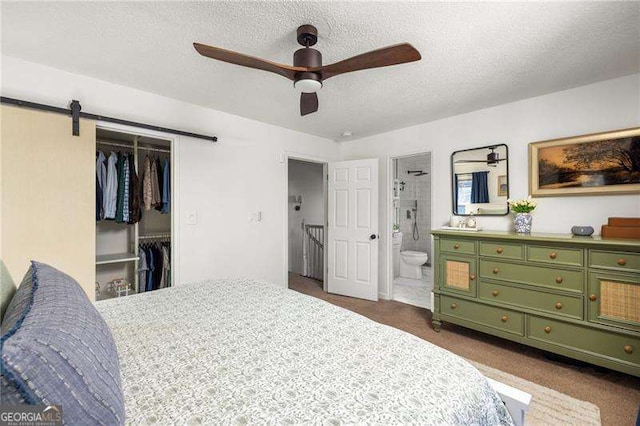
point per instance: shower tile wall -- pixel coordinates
(417, 193)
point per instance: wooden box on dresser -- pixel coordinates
(575, 296)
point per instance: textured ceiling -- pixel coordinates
(475, 55)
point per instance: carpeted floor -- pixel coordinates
(616, 394)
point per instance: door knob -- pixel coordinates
(553, 255)
(547, 329)
(593, 297)
(499, 250)
(373, 236)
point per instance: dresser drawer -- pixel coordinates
(506, 250)
(556, 278)
(597, 342)
(454, 245)
(498, 318)
(619, 261)
(569, 306)
(555, 255)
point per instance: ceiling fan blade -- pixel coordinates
(390, 55)
(308, 103)
(247, 61)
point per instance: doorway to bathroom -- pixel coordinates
(306, 207)
(411, 279)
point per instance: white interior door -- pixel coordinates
(352, 252)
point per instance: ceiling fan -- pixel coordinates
(493, 158)
(307, 72)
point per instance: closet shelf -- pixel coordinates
(105, 259)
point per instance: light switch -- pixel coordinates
(192, 218)
(255, 216)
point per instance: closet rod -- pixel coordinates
(104, 142)
(154, 236)
(121, 145)
(75, 113)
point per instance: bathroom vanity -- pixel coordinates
(574, 296)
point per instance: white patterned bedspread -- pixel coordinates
(245, 351)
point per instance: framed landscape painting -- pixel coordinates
(601, 163)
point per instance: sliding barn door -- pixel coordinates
(48, 194)
(353, 229)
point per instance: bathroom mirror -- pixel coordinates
(480, 178)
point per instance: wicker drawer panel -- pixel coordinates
(620, 261)
(605, 343)
(569, 306)
(499, 318)
(555, 278)
(506, 250)
(555, 255)
(462, 246)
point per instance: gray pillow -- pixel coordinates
(60, 351)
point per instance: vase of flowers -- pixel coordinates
(523, 219)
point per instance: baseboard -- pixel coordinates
(383, 296)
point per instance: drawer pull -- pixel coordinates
(593, 297)
(496, 270)
(622, 262)
(559, 280)
(495, 293)
(559, 305)
(472, 277)
(628, 349)
(499, 250)
(456, 246)
(547, 329)
(504, 318)
(553, 255)
(453, 306)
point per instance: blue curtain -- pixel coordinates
(479, 187)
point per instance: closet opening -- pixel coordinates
(306, 207)
(134, 205)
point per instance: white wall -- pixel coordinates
(608, 105)
(304, 179)
(222, 182)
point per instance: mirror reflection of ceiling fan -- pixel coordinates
(492, 160)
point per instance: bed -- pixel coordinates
(242, 351)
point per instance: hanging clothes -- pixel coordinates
(151, 270)
(143, 269)
(166, 188)
(101, 180)
(147, 186)
(155, 185)
(120, 194)
(160, 184)
(134, 193)
(166, 268)
(98, 200)
(110, 188)
(127, 188)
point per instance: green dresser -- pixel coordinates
(575, 296)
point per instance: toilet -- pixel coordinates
(411, 263)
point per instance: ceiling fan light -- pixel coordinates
(308, 83)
